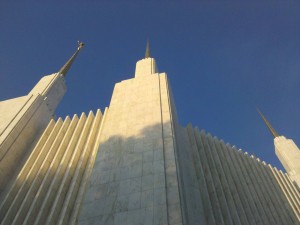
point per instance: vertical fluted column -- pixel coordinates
(40, 168)
(87, 174)
(251, 186)
(263, 204)
(199, 173)
(245, 194)
(53, 190)
(23, 175)
(210, 183)
(267, 190)
(224, 183)
(232, 184)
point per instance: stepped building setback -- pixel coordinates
(133, 163)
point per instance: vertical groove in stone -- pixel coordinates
(202, 182)
(297, 193)
(9, 195)
(256, 183)
(67, 184)
(284, 188)
(174, 205)
(282, 201)
(232, 184)
(39, 185)
(163, 121)
(245, 195)
(81, 167)
(274, 192)
(293, 194)
(38, 166)
(251, 185)
(223, 191)
(52, 190)
(86, 177)
(211, 186)
(52, 176)
(232, 210)
(267, 190)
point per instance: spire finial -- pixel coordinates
(272, 130)
(147, 54)
(63, 71)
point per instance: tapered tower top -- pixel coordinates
(272, 130)
(146, 65)
(147, 53)
(63, 71)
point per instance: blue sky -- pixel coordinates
(223, 58)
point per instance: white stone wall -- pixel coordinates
(236, 188)
(134, 179)
(144, 67)
(289, 155)
(23, 119)
(50, 183)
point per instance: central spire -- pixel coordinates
(272, 130)
(147, 53)
(63, 71)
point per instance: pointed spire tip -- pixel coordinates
(63, 71)
(272, 130)
(147, 53)
(80, 45)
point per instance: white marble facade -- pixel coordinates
(134, 179)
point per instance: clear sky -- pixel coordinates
(223, 58)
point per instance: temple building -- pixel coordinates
(133, 163)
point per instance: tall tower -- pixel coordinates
(24, 118)
(135, 176)
(287, 152)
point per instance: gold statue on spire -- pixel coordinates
(63, 71)
(80, 45)
(272, 130)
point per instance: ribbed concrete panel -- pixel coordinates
(287, 193)
(27, 215)
(57, 180)
(224, 183)
(263, 192)
(271, 191)
(50, 178)
(199, 171)
(33, 182)
(23, 175)
(77, 172)
(240, 189)
(87, 173)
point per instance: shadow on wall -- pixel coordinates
(131, 179)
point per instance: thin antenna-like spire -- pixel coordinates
(147, 54)
(63, 71)
(272, 130)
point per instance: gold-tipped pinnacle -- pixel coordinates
(63, 71)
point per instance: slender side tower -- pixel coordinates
(24, 118)
(287, 152)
